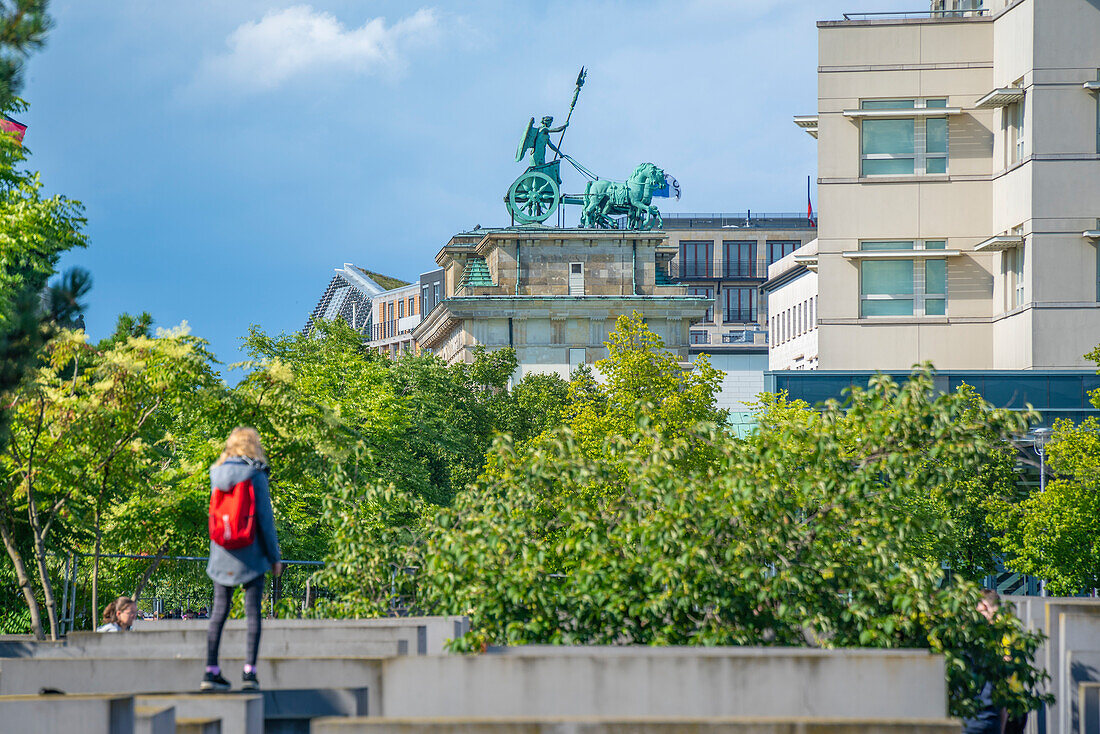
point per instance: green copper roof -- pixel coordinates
(476, 274)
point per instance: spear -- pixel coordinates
(576, 93)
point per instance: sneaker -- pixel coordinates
(214, 682)
(249, 681)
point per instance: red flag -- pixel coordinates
(9, 125)
(809, 205)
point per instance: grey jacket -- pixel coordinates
(236, 567)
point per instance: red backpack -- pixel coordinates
(233, 515)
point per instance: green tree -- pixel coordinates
(1055, 534)
(798, 535)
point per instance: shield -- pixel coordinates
(527, 141)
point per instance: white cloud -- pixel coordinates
(300, 40)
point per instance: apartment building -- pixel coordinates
(395, 314)
(959, 180)
(554, 295)
(725, 257)
(791, 292)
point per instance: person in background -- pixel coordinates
(989, 719)
(119, 615)
(241, 462)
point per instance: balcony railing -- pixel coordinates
(733, 220)
(718, 269)
(387, 329)
(960, 12)
(739, 317)
(745, 336)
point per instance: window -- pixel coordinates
(740, 304)
(576, 279)
(904, 287)
(424, 308)
(1014, 277)
(435, 295)
(401, 308)
(903, 146)
(1014, 132)
(576, 358)
(779, 249)
(699, 337)
(412, 306)
(740, 259)
(709, 293)
(696, 259)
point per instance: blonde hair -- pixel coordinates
(242, 441)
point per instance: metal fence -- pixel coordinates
(688, 269)
(175, 587)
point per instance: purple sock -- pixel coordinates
(250, 668)
(213, 669)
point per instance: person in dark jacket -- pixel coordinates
(243, 459)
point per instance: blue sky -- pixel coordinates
(230, 155)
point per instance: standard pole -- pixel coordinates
(576, 93)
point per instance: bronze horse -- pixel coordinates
(604, 199)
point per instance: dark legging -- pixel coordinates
(223, 595)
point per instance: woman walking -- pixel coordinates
(243, 546)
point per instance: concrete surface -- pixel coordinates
(570, 725)
(87, 714)
(1088, 697)
(669, 682)
(154, 720)
(239, 713)
(182, 675)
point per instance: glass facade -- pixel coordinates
(1055, 394)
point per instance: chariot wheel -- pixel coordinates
(533, 197)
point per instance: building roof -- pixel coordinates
(387, 282)
(476, 274)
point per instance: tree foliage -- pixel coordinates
(1055, 534)
(798, 535)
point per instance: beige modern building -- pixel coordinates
(554, 295)
(959, 177)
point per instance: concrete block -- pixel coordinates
(1078, 634)
(182, 675)
(668, 682)
(198, 726)
(280, 643)
(87, 714)
(585, 725)
(1056, 717)
(1081, 667)
(154, 720)
(239, 713)
(1088, 697)
(432, 632)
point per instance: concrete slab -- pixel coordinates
(182, 675)
(1082, 666)
(239, 713)
(1055, 719)
(433, 632)
(193, 644)
(154, 720)
(1088, 697)
(668, 682)
(577, 725)
(198, 726)
(1081, 633)
(88, 714)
